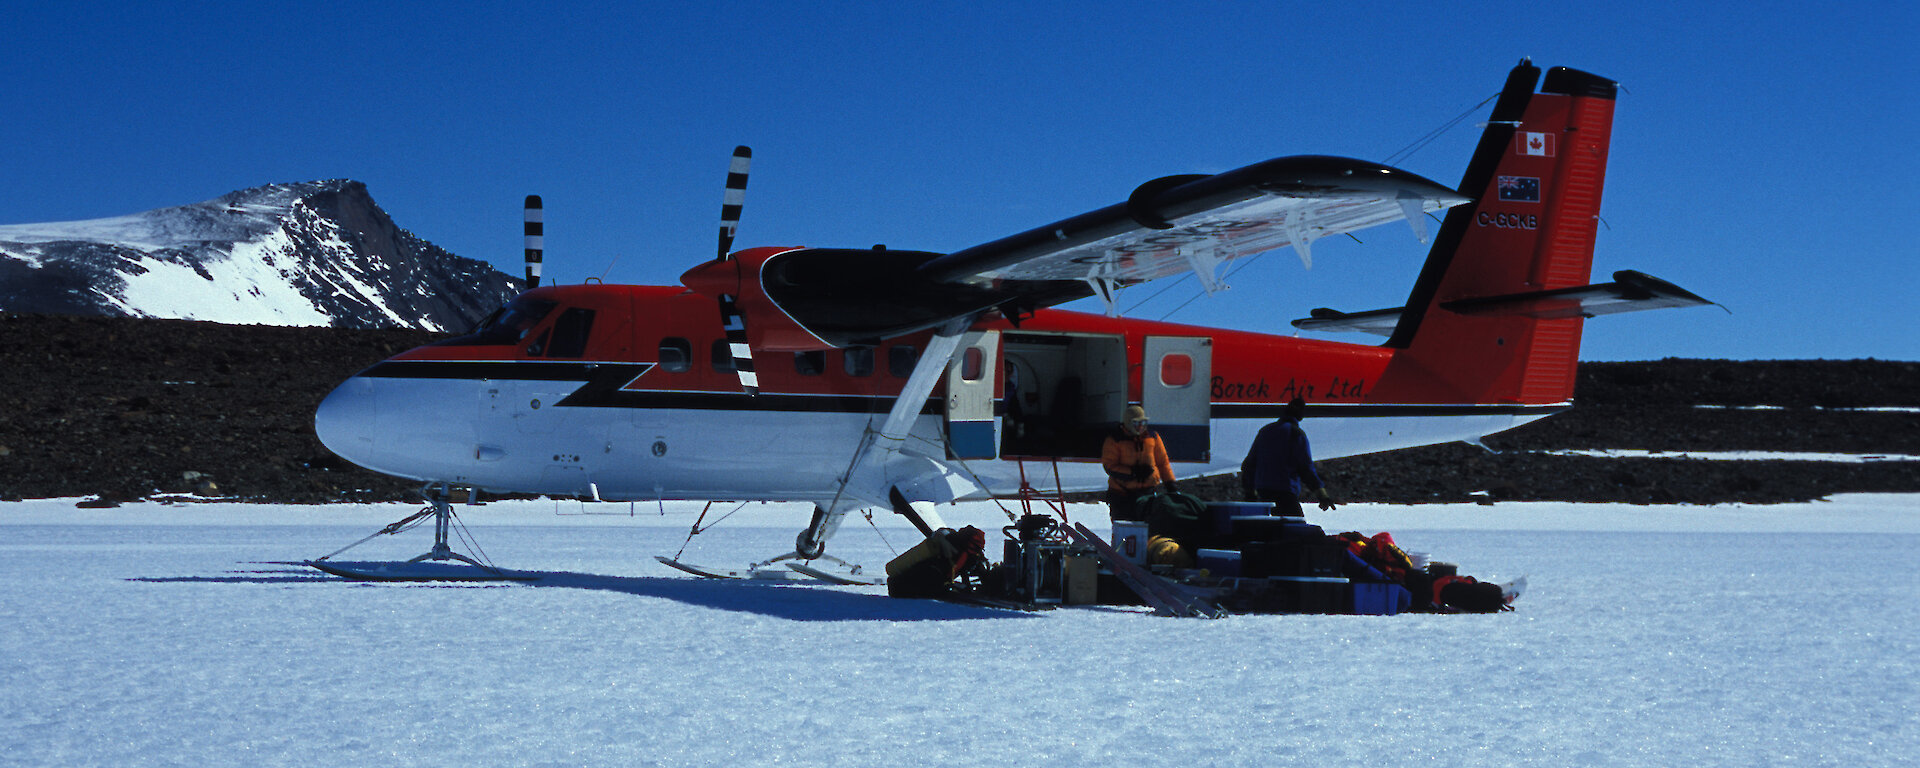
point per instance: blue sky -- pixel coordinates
(1763, 157)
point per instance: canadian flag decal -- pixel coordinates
(1536, 144)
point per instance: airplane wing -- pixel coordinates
(1181, 223)
(1630, 291)
(818, 297)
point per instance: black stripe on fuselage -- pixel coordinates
(1270, 411)
(605, 387)
(606, 382)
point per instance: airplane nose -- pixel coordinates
(345, 420)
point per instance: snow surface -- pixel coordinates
(1732, 635)
(1862, 409)
(212, 290)
(1634, 453)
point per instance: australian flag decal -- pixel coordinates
(1520, 188)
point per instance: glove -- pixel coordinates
(1171, 487)
(1326, 500)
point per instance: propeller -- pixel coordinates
(731, 319)
(735, 200)
(536, 239)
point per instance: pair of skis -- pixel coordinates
(1166, 597)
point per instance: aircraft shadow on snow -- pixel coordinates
(797, 602)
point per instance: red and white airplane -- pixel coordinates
(858, 378)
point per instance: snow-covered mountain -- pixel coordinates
(313, 253)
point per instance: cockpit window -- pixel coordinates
(507, 326)
(676, 355)
(570, 332)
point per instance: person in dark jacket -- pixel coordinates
(1136, 463)
(1280, 464)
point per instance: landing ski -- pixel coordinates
(416, 571)
(845, 579)
(752, 574)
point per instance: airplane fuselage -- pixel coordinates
(627, 392)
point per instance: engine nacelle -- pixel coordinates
(799, 299)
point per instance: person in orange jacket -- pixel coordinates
(1136, 463)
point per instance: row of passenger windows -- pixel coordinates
(676, 356)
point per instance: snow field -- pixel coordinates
(1649, 636)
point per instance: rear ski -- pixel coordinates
(748, 574)
(852, 578)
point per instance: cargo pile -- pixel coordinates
(1194, 558)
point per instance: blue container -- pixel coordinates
(1219, 562)
(1378, 599)
(1259, 528)
(1220, 514)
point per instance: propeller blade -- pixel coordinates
(731, 318)
(536, 239)
(735, 324)
(736, 198)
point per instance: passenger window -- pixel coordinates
(810, 363)
(722, 354)
(1176, 370)
(859, 361)
(570, 332)
(973, 364)
(676, 355)
(900, 361)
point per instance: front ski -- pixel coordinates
(753, 574)
(417, 571)
(854, 578)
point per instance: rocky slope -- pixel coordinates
(130, 408)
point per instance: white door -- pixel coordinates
(1175, 389)
(973, 430)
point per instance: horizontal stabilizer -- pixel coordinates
(1630, 291)
(1379, 322)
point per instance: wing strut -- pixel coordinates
(867, 477)
(1105, 282)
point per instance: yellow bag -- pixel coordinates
(1162, 550)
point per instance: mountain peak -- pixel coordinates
(304, 253)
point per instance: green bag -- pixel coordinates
(1174, 515)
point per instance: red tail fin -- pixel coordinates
(1536, 179)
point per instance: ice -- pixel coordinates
(1649, 635)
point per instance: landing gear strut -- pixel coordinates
(811, 544)
(421, 568)
(440, 504)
